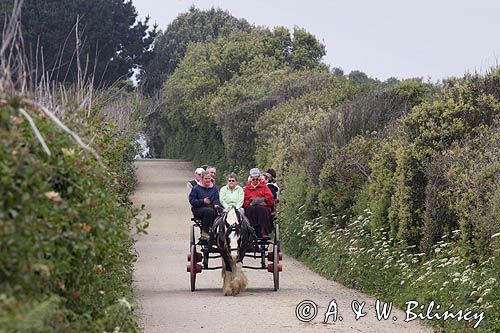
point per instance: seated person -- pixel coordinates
(267, 178)
(213, 172)
(258, 203)
(204, 200)
(231, 195)
(192, 183)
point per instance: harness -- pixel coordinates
(232, 227)
(222, 230)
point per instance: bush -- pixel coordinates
(342, 178)
(65, 247)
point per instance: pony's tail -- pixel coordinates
(234, 281)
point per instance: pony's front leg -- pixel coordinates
(239, 281)
(227, 275)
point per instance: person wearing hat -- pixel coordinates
(258, 203)
(192, 183)
(204, 200)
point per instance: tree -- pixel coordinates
(112, 41)
(228, 83)
(171, 45)
(307, 51)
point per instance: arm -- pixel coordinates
(247, 198)
(215, 196)
(241, 197)
(222, 196)
(268, 195)
(189, 187)
(193, 198)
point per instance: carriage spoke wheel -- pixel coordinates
(191, 236)
(276, 272)
(192, 268)
(192, 262)
(277, 236)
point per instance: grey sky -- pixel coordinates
(419, 38)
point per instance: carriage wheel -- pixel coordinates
(277, 235)
(276, 272)
(191, 236)
(192, 266)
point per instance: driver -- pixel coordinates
(204, 200)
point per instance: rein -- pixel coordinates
(243, 230)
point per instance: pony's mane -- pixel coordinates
(232, 217)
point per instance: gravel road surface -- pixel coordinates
(163, 288)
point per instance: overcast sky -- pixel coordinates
(432, 39)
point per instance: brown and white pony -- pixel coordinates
(232, 234)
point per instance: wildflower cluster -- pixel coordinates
(373, 262)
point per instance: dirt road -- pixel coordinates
(168, 305)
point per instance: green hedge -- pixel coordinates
(65, 222)
(420, 159)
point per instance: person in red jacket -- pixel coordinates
(258, 203)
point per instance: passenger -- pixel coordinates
(213, 172)
(272, 183)
(266, 177)
(258, 203)
(204, 199)
(231, 195)
(272, 172)
(192, 183)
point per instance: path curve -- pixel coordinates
(162, 283)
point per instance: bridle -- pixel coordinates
(223, 230)
(230, 228)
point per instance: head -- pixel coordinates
(232, 180)
(266, 177)
(213, 171)
(233, 233)
(254, 176)
(206, 179)
(197, 174)
(272, 172)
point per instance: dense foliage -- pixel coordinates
(112, 42)
(215, 76)
(171, 45)
(390, 187)
(65, 222)
(396, 193)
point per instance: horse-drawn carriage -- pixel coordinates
(233, 239)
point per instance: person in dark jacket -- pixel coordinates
(204, 200)
(267, 178)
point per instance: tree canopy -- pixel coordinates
(216, 79)
(112, 41)
(171, 45)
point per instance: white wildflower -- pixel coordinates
(123, 302)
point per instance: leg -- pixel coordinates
(206, 215)
(259, 219)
